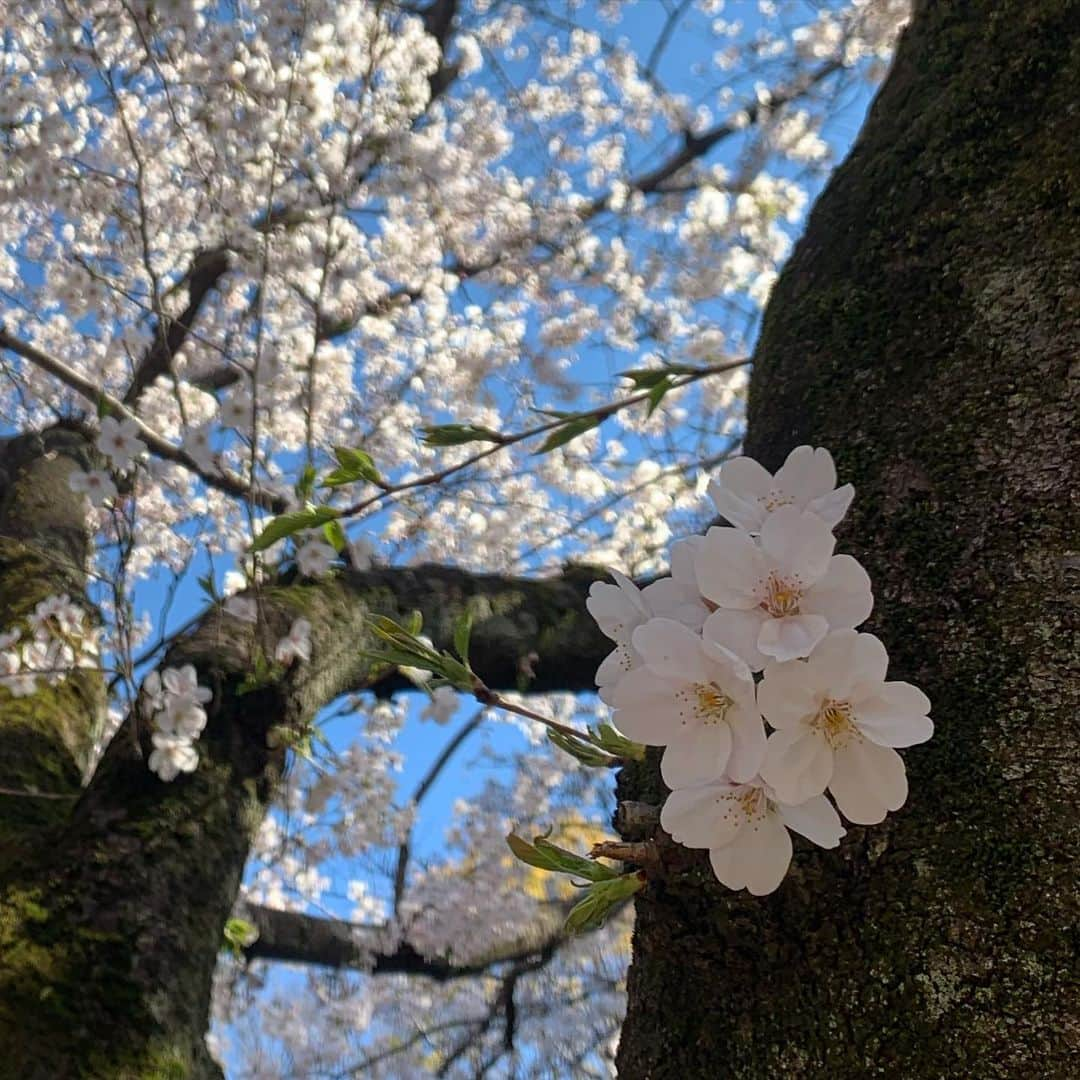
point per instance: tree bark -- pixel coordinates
(112, 909)
(926, 330)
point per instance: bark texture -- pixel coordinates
(927, 330)
(112, 912)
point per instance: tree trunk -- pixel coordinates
(113, 901)
(925, 330)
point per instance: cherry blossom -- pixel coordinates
(780, 595)
(172, 754)
(314, 558)
(745, 493)
(96, 485)
(119, 441)
(296, 645)
(745, 827)
(694, 698)
(837, 720)
(442, 706)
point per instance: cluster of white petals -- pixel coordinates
(173, 700)
(60, 641)
(766, 594)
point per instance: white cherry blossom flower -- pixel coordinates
(745, 493)
(618, 609)
(196, 445)
(183, 682)
(183, 717)
(152, 695)
(236, 410)
(694, 698)
(119, 441)
(296, 645)
(361, 552)
(172, 755)
(621, 608)
(314, 558)
(837, 721)
(96, 485)
(745, 828)
(442, 706)
(778, 597)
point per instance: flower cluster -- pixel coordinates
(765, 595)
(173, 700)
(60, 641)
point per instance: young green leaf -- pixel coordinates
(462, 633)
(353, 465)
(545, 855)
(335, 535)
(568, 431)
(591, 912)
(581, 750)
(293, 522)
(458, 434)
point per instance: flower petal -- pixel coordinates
(799, 544)
(706, 816)
(671, 650)
(833, 506)
(895, 715)
(757, 860)
(792, 637)
(645, 708)
(848, 665)
(731, 570)
(738, 493)
(798, 765)
(816, 819)
(748, 744)
(737, 631)
(700, 758)
(868, 781)
(843, 594)
(788, 696)
(807, 474)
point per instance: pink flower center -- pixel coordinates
(782, 596)
(706, 703)
(836, 722)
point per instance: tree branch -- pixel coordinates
(297, 938)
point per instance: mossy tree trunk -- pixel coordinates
(114, 897)
(927, 330)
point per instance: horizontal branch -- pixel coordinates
(293, 937)
(159, 446)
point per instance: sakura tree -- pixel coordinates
(347, 347)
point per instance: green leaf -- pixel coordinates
(239, 934)
(335, 535)
(293, 522)
(644, 378)
(607, 738)
(414, 623)
(656, 394)
(591, 912)
(545, 855)
(459, 434)
(207, 585)
(462, 633)
(568, 431)
(353, 465)
(581, 750)
(306, 484)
